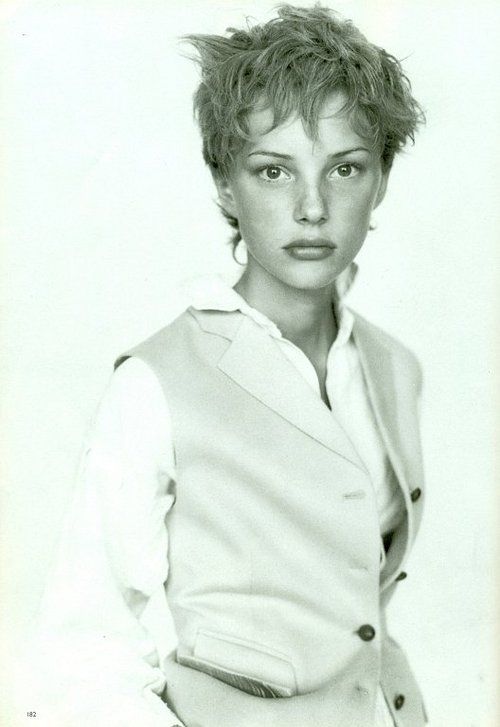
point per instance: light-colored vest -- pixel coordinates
(274, 580)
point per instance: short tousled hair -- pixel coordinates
(292, 64)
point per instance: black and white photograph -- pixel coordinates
(250, 363)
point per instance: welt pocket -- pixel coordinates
(244, 664)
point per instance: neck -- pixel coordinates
(305, 317)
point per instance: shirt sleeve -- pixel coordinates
(98, 664)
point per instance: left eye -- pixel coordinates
(346, 170)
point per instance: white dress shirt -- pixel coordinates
(102, 665)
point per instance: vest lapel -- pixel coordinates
(378, 368)
(254, 362)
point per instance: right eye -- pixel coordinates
(272, 173)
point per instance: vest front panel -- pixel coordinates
(273, 537)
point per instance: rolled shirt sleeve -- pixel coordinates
(96, 663)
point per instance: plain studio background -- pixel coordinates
(107, 206)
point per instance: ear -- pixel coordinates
(225, 194)
(382, 189)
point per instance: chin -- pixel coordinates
(311, 279)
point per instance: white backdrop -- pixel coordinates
(107, 206)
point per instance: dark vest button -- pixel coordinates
(401, 576)
(415, 494)
(399, 701)
(366, 632)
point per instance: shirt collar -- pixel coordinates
(215, 292)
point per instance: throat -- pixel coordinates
(305, 317)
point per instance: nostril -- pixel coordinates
(313, 214)
(311, 206)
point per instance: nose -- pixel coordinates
(311, 206)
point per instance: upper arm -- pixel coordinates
(129, 463)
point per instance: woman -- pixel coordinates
(269, 430)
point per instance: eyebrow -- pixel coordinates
(278, 155)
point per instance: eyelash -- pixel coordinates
(262, 169)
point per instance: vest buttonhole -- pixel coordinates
(354, 495)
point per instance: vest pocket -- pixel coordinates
(242, 664)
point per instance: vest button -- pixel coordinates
(415, 494)
(366, 632)
(401, 576)
(399, 701)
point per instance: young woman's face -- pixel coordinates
(303, 206)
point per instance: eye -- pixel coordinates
(272, 173)
(346, 170)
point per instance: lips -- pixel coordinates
(310, 249)
(308, 243)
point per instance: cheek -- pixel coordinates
(358, 208)
(261, 211)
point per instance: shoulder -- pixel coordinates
(374, 336)
(192, 334)
(132, 417)
(131, 374)
(133, 394)
(162, 339)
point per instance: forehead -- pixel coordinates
(334, 129)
